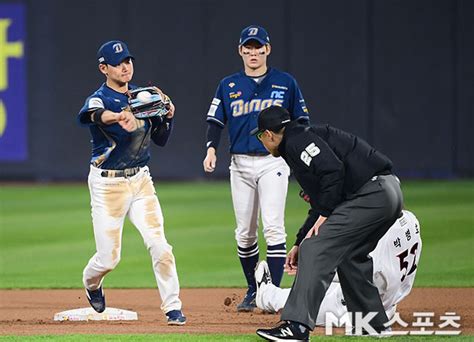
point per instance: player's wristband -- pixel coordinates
(213, 135)
(96, 116)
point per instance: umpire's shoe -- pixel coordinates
(262, 276)
(287, 331)
(96, 299)
(176, 317)
(248, 304)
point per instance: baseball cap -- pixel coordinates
(254, 32)
(272, 118)
(113, 52)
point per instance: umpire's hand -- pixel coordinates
(291, 262)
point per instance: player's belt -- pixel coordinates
(257, 154)
(120, 173)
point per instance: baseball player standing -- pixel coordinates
(395, 259)
(120, 183)
(358, 199)
(259, 182)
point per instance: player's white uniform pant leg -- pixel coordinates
(393, 279)
(273, 299)
(272, 190)
(244, 199)
(259, 182)
(111, 200)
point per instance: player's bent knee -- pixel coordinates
(108, 263)
(158, 249)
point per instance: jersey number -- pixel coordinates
(309, 152)
(404, 264)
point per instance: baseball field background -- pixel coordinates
(398, 73)
(46, 239)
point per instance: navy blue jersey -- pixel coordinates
(114, 148)
(239, 99)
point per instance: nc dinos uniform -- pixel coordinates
(120, 183)
(259, 181)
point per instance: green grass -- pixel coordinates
(46, 235)
(205, 338)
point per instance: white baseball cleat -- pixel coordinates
(262, 276)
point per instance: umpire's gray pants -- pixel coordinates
(344, 241)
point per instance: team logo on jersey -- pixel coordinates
(117, 47)
(279, 87)
(241, 107)
(235, 95)
(232, 84)
(277, 94)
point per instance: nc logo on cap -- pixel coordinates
(253, 31)
(117, 47)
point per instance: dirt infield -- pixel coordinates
(30, 312)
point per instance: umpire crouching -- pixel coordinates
(354, 200)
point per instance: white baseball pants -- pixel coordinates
(111, 200)
(259, 183)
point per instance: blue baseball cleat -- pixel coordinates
(96, 299)
(176, 317)
(248, 304)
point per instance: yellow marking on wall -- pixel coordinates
(3, 118)
(7, 50)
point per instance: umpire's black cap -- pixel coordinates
(272, 118)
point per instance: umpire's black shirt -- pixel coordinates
(329, 164)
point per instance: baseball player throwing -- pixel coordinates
(395, 258)
(120, 183)
(259, 182)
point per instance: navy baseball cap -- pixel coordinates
(254, 32)
(113, 52)
(272, 118)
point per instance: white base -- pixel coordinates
(89, 314)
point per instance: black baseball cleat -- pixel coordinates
(96, 299)
(287, 331)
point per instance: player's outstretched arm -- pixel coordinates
(106, 117)
(209, 162)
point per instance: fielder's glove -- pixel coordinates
(147, 102)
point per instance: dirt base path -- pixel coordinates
(30, 312)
